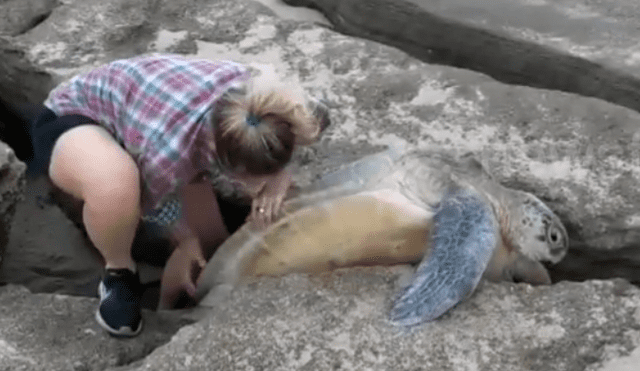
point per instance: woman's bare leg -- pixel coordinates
(89, 164)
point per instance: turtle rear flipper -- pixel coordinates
(356, 175)
(465, 234)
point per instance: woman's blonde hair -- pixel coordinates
(258, 124)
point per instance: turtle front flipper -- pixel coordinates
(465, 234)
(528, 270)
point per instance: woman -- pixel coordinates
(139, 138)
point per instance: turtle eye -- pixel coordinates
(555, 237)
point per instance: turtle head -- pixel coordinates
(536, 231)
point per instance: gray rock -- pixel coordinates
(12, 184)
(18, 16)
(583, 47)
(57, 332)
(603, 31)
(338, 322)
(46, 252)
(21, 82)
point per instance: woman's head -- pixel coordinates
(258, 124)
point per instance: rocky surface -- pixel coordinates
(284, 11)
(56, 333)
(47, 253)
(19, 16)
(537, 140)
(335, 322)
(602, 31)
(12, 184)
(584, 47)
(339, 323)
(21, 81)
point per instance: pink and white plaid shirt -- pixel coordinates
(158, 108)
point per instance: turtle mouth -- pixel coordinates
(555, 256)
(558, 253)
(549, 264)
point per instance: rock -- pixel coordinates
(22, 85)
(21, 82)
(583, 47)
(603, 31)
(338, 322)
(12, 183)
(300, 14)
(47, 253)
(57, 332)
(335, 321)
(18, 16)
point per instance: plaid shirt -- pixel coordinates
(157, 107)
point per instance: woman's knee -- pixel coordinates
(117, 188)
(121, 200)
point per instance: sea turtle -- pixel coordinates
(433, 207)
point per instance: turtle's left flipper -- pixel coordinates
(465, 234)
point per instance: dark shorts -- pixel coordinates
(45, 131)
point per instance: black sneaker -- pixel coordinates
(119, 312)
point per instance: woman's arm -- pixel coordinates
(266, 205)
(201, 231)
(202, 215)
(181, 273)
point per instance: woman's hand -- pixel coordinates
(266, 205)
(181, 273)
